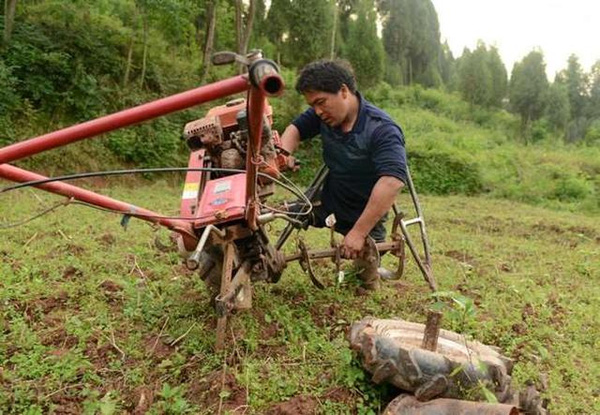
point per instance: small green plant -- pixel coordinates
(107, 405)
(458, 309)
(171, 401)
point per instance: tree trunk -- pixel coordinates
(333, 32)
(247, 32)
(525, 127)
(129, 59)
(10, 7)
(239, 24)
(211, 13)
(145, 54)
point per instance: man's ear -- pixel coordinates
(344, 90)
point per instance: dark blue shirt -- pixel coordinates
(356, 159)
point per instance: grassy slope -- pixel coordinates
(547, 173)
(84, 303)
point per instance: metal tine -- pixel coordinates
(423, 264)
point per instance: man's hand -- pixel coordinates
(291, 163)
(381, 200)
(353, 244)
(290, 140)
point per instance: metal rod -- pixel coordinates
(256, 108)
(424, 267)
(193, 260)
(310, 193)
(415, 198)
(266, 80)
(124, 118)
(330, 253)
(228, 256)
(16, 174)
(412, 221)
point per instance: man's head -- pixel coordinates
(330, 88)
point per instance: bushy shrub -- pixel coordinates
(570, 188)
(380, 93)
(592, 136)
(66, 62)
(540, 130)
(152, 144)
(6, 130)
(384, 95)
(9, 98)
(443, 173)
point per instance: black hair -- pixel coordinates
(326, 76)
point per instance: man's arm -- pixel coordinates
(380, 201)
(290, 139)
(305, 126)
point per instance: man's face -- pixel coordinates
(331, 108)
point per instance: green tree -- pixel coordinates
(310, 26)
(70, 61)
(474, 76)
(209, 37)
(576, 82)
(363, 48)
(346, 11)
(447, 65)
(225, 31)
(528, 89)
(411, 38)
(499, 78)
(482, 76)
(594, 102)
(260, 17)
(277, 26)
(558, 109)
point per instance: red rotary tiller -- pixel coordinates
(234, 164)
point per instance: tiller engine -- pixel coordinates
(237, 176)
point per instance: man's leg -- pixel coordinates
(378, 233)
(368, 260)
(368, 263)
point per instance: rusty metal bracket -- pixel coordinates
(331, 252)
(337, 260)
(306, 266)
(400, 251)
(237, 295)
(304, 256)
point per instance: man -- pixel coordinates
(362, 147)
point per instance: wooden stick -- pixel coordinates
(113, 343)
(178, 339)
(158, 337)
(30, 239)
(432, 330)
